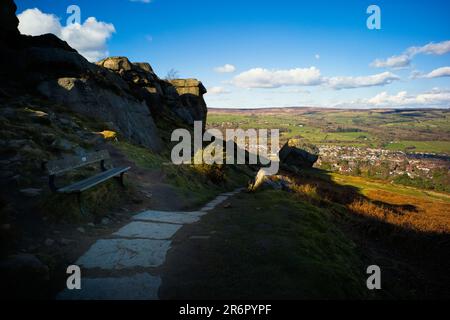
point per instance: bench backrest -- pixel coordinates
(74, 162)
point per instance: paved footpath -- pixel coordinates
(129, 257)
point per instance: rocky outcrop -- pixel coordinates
(129, 95)
(130, 116)
(262, 181)
(191, 93)
(8, 27)
(180, 99)
(298, 154)
(62, 75)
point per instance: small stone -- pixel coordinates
(136, 200)
(63, 144)
(17, 143)
(91, 224)
(81, 229)
(105, 221)
(24, 262)
(199, 237)
(49, 242)
(66, 242)
(6, 174)
(31, 192)
(227, 205)
(48, 137)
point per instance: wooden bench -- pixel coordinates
(60, 166)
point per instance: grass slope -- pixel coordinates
(266, 245)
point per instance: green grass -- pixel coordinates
(198, 183)
(420, 146)
(97, 201)
(366, 185)
(142, 157)
(267, 245)
(377, 128)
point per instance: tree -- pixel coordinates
(172, 74)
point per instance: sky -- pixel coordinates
(252, 54)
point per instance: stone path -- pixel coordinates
(129, 257)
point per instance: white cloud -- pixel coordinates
(217, 90)
(437, 73)
(380, 79)
(394, 62)
(404, 60)
(33, 22)
(317, 56)
(264, 78)
(439, 48)
(89, 38)
(227, 68)
(143, 1)
(294, 90)
(435, 98)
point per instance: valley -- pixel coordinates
(408, 147)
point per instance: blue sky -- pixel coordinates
(281, 53)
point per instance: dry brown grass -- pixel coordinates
(307, 191)
(428, 216)
(419, 214)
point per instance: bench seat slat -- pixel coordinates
(87, 183)
(74, 162)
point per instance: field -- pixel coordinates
(426, 131)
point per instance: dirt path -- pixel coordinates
(125, 264)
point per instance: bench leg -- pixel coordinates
(120, 179)
(80, 204)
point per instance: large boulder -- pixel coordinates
(298, 153)
(85, 96)
(48, 66)
(264, 181)
(142, 81)
(94, 91)
(180, 100)
(8, 27)
(115, 90)
(191, 93)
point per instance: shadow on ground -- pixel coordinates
(313, 243)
